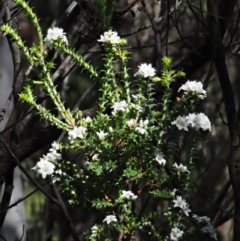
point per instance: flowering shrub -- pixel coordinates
(129, 153)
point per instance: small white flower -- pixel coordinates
(194, 87)
(59, 173)
(143, 124)
(77, 132)
(102, 135)
(173, 193)
(181, 123)
(209, 229)
(95, 157)
(186, 209)
(198, 121)
(175, 234)
(120, 106)
(88, 119)
(94, 231)
(146, 70)
(44, 168)
(110, 37)
(55, 146)
(159, 158)
(181, 203)
(141, 130)
(131, 123)
(180, 168)
(110, 129)
(110, 218)
(147, 224)
(52, 156)
(55, 34)
(142, 127)
(128, 195)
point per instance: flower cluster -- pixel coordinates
(181, 203)
(128, 195)
(45, 166)
(110, 37)
(196, 121)
(55, 34)
(94, 231)
(208, 228)
(146, 70)
(123, 106)
(145, 224)
(194, 88)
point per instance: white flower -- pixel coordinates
(147, 223)
(159, 158)
(120, 106)
(95, 157)
(181, 123)
(77, 132)
(110, 129)
(198, 121)
(194, 87)
(59, 173)
(110, 218)
(128, 195)
(131, 123)
(102, 135)
(44, 168)
(52, 156)
(143, 124)
(179, 202)
(88, 119)
(146, 70)
(94, 231)
(180, 168)
(55, 146)
(110, 37)
(186, 209)
(142, 127)
(141, 130)
(55, 34)
(173, 193)
(175, 234)
(209, 229)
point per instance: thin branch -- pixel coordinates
(157, 31)
(4, 110)
(65, 212)
(26, 173)
(24, 198)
